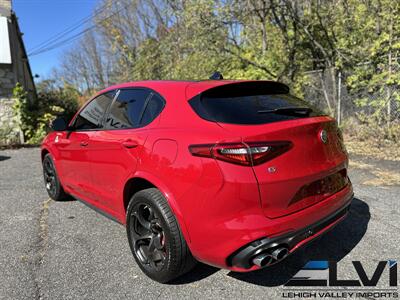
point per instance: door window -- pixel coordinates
(127, 110)
(92, 114)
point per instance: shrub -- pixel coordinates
(35, 120)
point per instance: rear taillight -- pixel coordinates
(246, 154)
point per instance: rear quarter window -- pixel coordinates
(154, 107)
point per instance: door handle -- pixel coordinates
(130, 144)
(84, 143)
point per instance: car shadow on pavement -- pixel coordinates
(2, 157)
(333, 246)
(199, 272)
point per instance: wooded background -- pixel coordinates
(342, 55)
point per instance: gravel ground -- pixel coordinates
(65, 250)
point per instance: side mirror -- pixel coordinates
(59, 124)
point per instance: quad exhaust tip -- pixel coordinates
(263, 259)
(267, 258)
(279, 253)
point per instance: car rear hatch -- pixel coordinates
(297, 156)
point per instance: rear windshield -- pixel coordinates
(255, 103)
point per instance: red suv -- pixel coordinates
(235, 174)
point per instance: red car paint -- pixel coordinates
(220, 206)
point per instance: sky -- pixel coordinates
(40, 20)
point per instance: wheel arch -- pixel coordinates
(143, 180)
(43, 153)
(132, 186)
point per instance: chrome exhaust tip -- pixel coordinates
(280, 253)
(262, 259)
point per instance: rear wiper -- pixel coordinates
(287, 111)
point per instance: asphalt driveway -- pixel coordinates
(65, 250)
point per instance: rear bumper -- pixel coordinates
(220, 242)
(242, 258)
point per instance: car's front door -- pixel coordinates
(115, 150)
(74, 146)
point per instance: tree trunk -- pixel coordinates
(332, 72)
(339, 100)
(389, 108)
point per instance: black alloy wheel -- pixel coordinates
(155, 238)
(148, 237)
(51, 181)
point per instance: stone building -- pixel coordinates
(14, 67)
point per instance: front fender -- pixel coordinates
(48, 146)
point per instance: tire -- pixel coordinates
(51, 180)
(155, 238)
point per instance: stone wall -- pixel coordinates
(9, 129)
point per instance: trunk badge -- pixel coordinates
(323, 136)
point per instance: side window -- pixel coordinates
(127, 110)
(91, 116)
(153, 109)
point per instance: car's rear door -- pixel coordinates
(115, 150)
